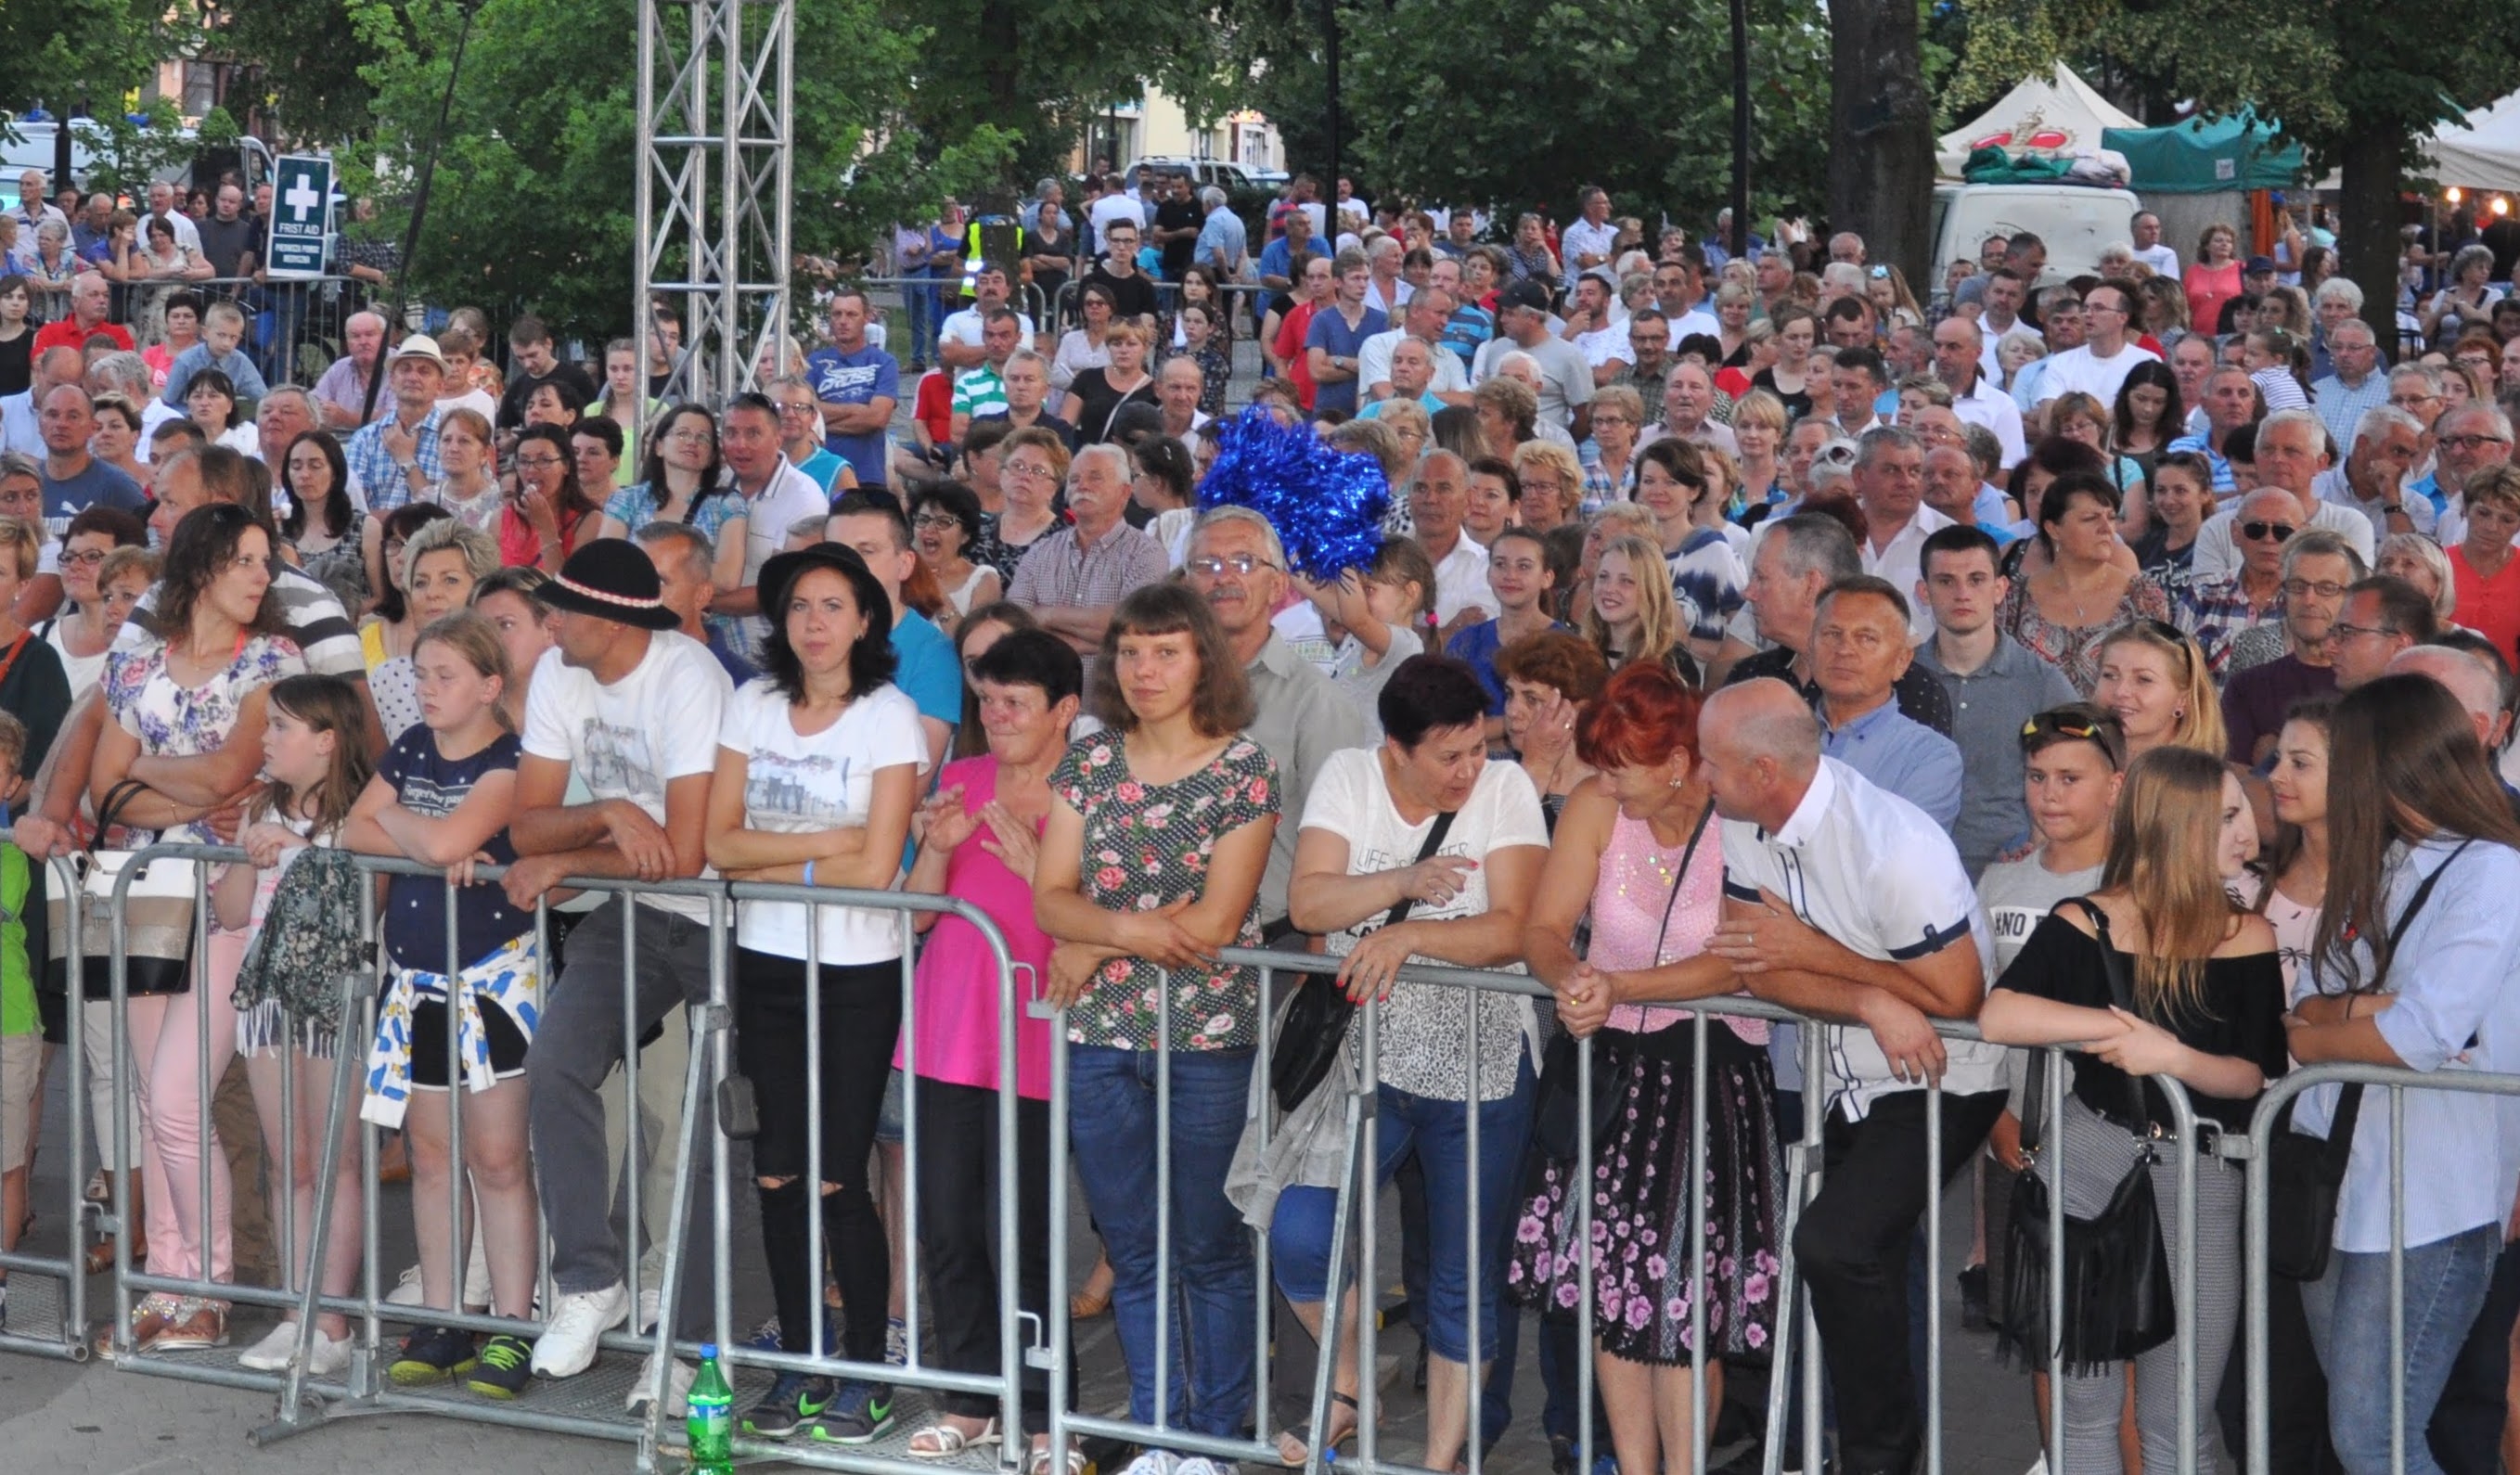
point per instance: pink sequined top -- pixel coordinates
(1629, 898)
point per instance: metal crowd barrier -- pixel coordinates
(2257, 1281)
(52, 1290)
(294, 329)
(1796, 1332)
(587, 1404)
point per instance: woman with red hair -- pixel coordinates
(1636, 851)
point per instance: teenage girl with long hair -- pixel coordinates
(2208, 1006)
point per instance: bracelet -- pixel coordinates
(809, 872)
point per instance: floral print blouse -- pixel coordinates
(184, 722)
(1148, 845)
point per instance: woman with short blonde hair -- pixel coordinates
(1552, 479)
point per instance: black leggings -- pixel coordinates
(958, 1233)
(861, 1016)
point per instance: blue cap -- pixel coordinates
(708, 1352)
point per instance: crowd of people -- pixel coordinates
(2025, 657)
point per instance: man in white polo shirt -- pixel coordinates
(1846, 902)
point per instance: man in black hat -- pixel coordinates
(632, 707)
(2257, 279)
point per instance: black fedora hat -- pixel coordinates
(611, 579)
(779, 570)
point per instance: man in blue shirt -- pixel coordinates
(858, 386)
(1338, 336)
(1859, 651)
(1223, 243)
(1277, 258)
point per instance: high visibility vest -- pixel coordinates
(992, 238)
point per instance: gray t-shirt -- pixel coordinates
(1989, 705)
(2016, 896)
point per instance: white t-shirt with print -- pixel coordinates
(796, 785)
(631, 738)
(1423, 1026)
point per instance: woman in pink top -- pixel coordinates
(976, 839)
(1637, 852)
(2214, 276)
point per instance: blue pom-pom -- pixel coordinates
(1328, 505)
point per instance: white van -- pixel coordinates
(2074, 220)
(28, 146)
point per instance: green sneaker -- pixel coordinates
(859, 1414)
(432, 1355)
(796, 1400)
(507, 1365)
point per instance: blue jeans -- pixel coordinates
(2446, 1285)
(923, 323)
(1111, 1123)
(1438, 1131)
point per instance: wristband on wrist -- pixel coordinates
(809, 872)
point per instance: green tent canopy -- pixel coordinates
(2203, 157)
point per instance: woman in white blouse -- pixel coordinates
(1371, 883)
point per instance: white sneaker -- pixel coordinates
(652, 1302)
(328, 1356)
(476, 1283)
(678, 1390)
(566, 1346)
(1153, 1462)
(1201, 1465)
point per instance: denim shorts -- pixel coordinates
(887, 1127)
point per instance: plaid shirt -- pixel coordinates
(1061, 571)
(375, 479)
(2216, 612)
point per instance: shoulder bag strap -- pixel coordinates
(2349, 1098)
(1400, 909)
(1679, 880)
(2122, 992)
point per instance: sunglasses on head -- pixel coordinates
(2066, 723)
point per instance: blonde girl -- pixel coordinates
(442, 797)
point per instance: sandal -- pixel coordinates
(1038, 1461)
(1303, 1437)
(942, 1441)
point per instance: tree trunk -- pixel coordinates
(1881, 133)
(2373, 163)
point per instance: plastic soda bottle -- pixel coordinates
(711, 1423)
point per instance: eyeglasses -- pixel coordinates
(84, 556)
(936, 521)
(2325, 588)
(2472, 442)
(541, 462)
(1026, 469)
(2257, 532)
(1242, 564)
(2343, 631)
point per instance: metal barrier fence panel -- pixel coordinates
(295, 330)
(46, 1313)
(1356, 1205)
(588, 1405)
(2270, 1119)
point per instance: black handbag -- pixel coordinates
(1557, 1116)
(2118, 1301)
(1314, 1027)
(2305, 1174)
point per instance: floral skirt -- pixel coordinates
(1640, 1213)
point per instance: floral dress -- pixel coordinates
(1641, 1203)
(2075, 650)
(1148, 845)
(184, 722)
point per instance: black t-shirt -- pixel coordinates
(1131, 296)
(521, 386)
(431, 787)
(1796, 405)
(1174, 215)
(2239, 1013)
(225, 241)
(17, 362)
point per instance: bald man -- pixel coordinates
(1848, 902)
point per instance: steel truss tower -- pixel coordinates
(717, 87)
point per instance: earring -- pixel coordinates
(1676, 783)
(2178, 714)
